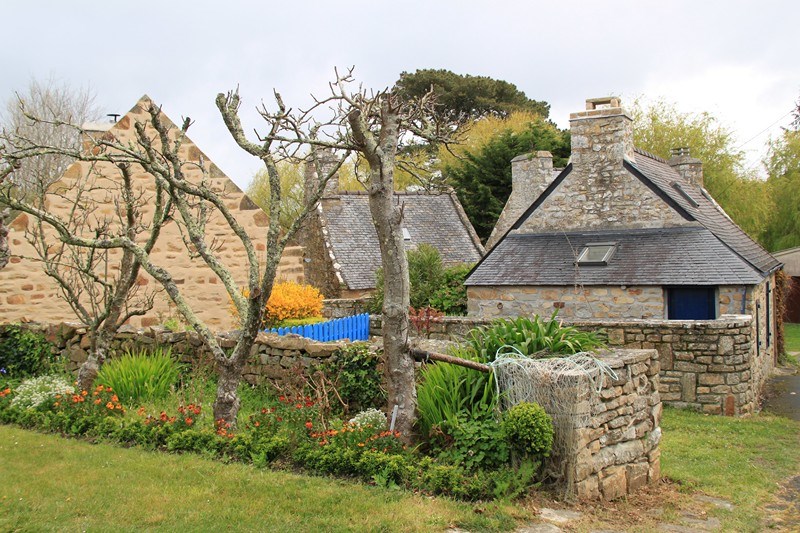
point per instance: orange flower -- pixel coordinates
(84, 393)
(256, 423)
(114, 398)
(140, 411)
(56, 404)
(189, 421)
(98, 401)
(110, 405)
(109, 389)
(309, 424)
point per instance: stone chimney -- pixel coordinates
(602, 136)
(690, 168)
(530, 176)
(327, 162)
(93, 132)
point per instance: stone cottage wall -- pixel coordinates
(272, 357)
(617, 452)
(572, 302)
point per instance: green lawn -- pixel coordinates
(53, 483)
(792, 335)
(740, 459)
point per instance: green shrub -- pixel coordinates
(432, 285)
(140, 376)
(477, 443)
(445, 391)
(450, 297)
(529, 429)
(531, 337)
(40, 392)
(24, 353)
(356, 377)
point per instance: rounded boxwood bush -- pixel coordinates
(529, 429)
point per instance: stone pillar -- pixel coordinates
(530, 176)
(690, 168)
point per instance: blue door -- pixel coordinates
(691, 303)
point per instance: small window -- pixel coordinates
(597, 254)
(406, 235)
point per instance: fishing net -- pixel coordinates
(563, 386)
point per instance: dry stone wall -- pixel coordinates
(617, 452)
(713, 366)
(272, 357)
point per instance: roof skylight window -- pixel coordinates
(406, 235)
(597, 254)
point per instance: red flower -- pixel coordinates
(309, 424)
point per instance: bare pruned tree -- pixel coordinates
(374, 125)
(189, 202)
(97, 280)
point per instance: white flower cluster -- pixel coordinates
(33, 392)
(370, 417)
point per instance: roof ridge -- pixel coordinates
(423, 192)
(649, 154)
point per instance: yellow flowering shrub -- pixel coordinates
(288, 301)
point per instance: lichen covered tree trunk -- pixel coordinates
(380, 152)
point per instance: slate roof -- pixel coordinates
(666, 256)
(707, 212)
(717, 252)
(435, 219)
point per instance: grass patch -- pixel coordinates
(791, 334)
(740, 459)
(51, 483)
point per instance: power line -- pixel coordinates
(764, 130)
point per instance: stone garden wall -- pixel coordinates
(617, 452)
(710, 365)
(344, 307)
(272, 357)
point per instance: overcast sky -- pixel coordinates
(737, 60)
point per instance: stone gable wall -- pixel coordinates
(26, 293)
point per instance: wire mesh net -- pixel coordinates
(563, 386)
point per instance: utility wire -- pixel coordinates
(754, 137)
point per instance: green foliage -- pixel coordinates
(466, 95)
(143, 375)
(531, 337)
(432, 285)
(24, 353)
(356, 377)
(40, 391)
(447, 391)
(450, 297)
(482, 177)
(783, 165)
(292, 322)
(529, 429)
(478, 442)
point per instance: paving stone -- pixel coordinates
(559, 516)
(542, 527)
(716, 502)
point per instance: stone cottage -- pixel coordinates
(342, 254)
(620, 236)
(26, 293)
